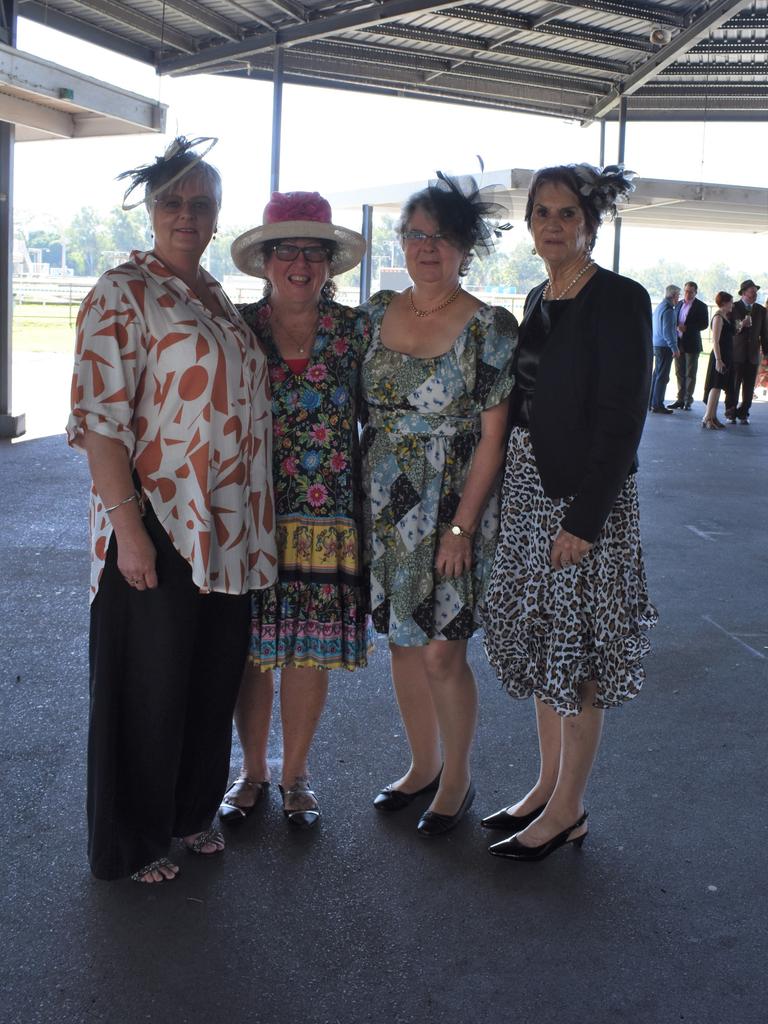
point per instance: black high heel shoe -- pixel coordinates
(506, 822)
(391, 799)
(513, 849)
(433, 824)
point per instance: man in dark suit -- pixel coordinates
(750, 336)
(692, 318)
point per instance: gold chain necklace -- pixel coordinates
(581, 273)
(286, 335)
(429, 312)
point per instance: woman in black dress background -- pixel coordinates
(720, 374)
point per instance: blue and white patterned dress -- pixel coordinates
(422, 429)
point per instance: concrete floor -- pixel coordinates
(659, 919)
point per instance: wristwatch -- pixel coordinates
(457, 531)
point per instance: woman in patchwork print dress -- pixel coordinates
(315, 618)
(436, 379)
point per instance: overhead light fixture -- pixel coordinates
(660, 36)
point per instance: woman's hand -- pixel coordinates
(454, 555)
(136, 556)
(111, 473)
(567, 550)
(720, 367)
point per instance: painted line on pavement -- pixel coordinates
(733, 636)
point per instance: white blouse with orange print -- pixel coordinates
(187, 393)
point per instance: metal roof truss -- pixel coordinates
(574, 59)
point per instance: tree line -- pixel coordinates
(92, 242)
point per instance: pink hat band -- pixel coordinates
(297, 215)
(292, 206)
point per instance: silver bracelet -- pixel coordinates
(131, 497)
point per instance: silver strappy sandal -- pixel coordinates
(300, 817)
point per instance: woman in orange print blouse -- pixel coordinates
(170, 402)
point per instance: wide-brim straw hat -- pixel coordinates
(297, 215)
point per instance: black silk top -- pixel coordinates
(543, 320)
(584, 390)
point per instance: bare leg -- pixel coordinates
(454, 695)
(417, 710)
(548, 724)
(710, 414)
(303, 692)
(580, 739)
(253, 713)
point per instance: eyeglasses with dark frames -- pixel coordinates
(287, 253)
(412, 235)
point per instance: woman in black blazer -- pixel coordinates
(567, 605)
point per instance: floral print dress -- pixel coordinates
(422, 429)
(316, 615)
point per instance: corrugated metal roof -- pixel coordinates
(673, 59)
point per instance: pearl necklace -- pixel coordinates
(581, 273)
(429, 312)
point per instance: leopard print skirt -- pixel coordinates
(546, 631)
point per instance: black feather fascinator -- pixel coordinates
(604, 188)
(472, 211)
(179, 158)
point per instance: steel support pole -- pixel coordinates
(277, 117)
(365, 264)
(10, 425)
(617, 222)
(602, 144)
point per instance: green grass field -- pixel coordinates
(51, 328)
(44, 328)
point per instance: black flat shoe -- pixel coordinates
(432, 824)
(513, 849)
(511, 822)
(390, 799)
(300, 817)
(231, 812)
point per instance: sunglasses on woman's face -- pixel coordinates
(311, 253)
(201, 206)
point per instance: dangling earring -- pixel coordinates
(533, 251)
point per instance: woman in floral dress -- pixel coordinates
(315, 618)
(436, 379)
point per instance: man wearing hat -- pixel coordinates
(751, 335)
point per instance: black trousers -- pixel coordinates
(745, 376)
(165, 669)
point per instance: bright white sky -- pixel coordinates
(335, 140)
